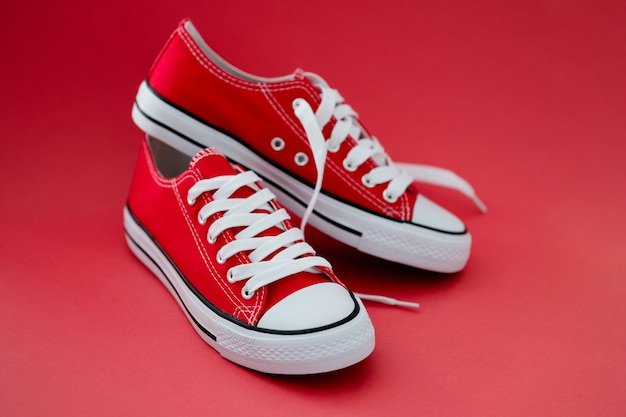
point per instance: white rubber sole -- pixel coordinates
(287, 353)
(401, 242)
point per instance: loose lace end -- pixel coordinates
(305, 114)
(443, 178)
(387, 300)
(481, 206)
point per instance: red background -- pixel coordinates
(527, 100)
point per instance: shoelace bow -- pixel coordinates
(397, 176)
(251, 217)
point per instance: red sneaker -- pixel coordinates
(308, 145)
(245, 278)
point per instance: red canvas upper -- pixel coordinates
(256, 112)
(160, 205)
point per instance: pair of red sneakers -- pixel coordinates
(199, 217)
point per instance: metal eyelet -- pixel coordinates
(246, 294)
(210, 238)
(201, 219)
(388, 198)
(297, 102)
(278, 144)
(348, 166)
(365, 179)
(220, 260)
(230, 277)
(301, 159)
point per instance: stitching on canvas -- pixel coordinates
(200, 245)
(298, 130)
(259, 301)
(203, 60)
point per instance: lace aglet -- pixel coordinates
(388, 300)
(407, 304)
(481, 206)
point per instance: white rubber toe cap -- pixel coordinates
(313, 306)
(429, 214)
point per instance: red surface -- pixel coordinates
(527, 100)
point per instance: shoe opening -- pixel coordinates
(169, 162)
(223, 64)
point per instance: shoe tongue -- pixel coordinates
(310, 77)
(211, 163)
(299, 74)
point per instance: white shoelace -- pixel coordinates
(443, 178)
(397, 176)
(254, 215)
